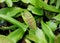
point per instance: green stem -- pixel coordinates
(13, 21)
(13, 27)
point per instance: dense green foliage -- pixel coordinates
(30, 21)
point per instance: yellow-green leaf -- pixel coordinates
(29, 19)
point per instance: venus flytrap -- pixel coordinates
(35, 34)
(37, 7)
(29, 20)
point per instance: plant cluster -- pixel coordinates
(30, 21)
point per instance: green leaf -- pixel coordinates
(13, 37)
(48, 32)
(37, 36)
(52, 1)
(43, 5)
(58, 4)
(13, 21)
(3, 39)
(29, 19)
(15, 0)
(27, 41)
(57, 39)
(26, 1)
(16, 35)
(57, 17)
(35, 10)
(9, 3)
(52, 25)
(12, 11)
